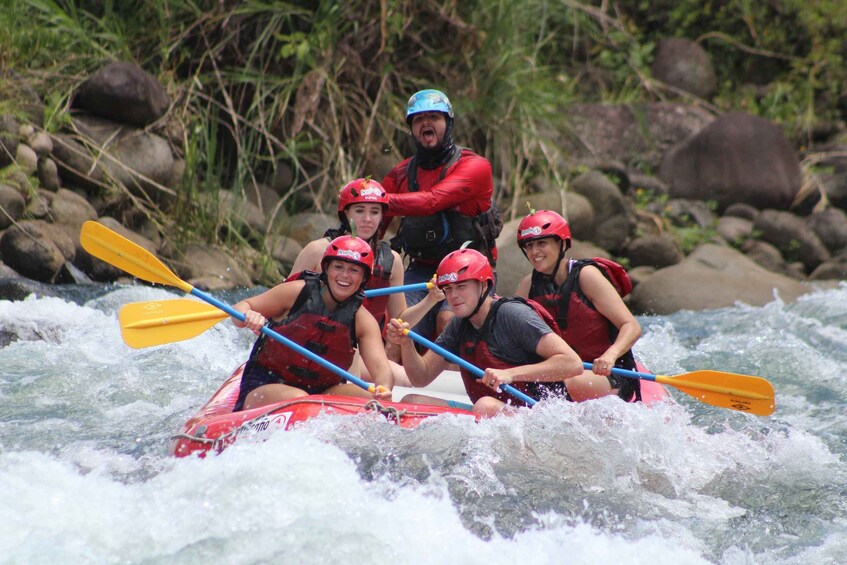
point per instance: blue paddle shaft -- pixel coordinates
(285, 341)
(472, 368)
(626, 373)
(373, 292)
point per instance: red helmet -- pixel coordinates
(351, 249)
(543, 223)
(464, 265)
(365, 190)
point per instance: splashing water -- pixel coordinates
(85, 474)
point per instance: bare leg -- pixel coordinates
(357, 368)
(424, 399)
(488, 406)
(348, 389)
(588, 386)
(270, 394)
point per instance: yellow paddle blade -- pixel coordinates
(144, 324)
(726, 390)
(117, 250)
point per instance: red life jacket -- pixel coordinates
(380, 278)
(479, 355)
(585, 329)
(331, 335)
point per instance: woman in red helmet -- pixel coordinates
(362, 204)
(584, 297)
(508, 338)
(321, 312)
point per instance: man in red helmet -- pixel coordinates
(508, 338)
(444, 194)
(323, 313)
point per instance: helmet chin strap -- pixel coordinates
(482, 298)
(562, 251)
(325, 280)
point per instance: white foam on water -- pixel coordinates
(85, 474)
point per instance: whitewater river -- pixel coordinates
(85, 474)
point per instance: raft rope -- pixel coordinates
(390, 412)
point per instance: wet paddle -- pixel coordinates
(373, 292)
(726, 390)
(453, 358)
(144, 324)
(108, 246)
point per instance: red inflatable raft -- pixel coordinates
(215, 426)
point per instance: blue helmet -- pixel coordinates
(428, 100)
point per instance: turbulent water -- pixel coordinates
(85, 474)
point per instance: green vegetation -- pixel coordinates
(321, 85)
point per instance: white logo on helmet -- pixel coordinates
(349, 254)
(447, 278)
(534, 230)
(372, 193)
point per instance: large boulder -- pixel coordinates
(736, 158)
(211, 268)
(792, 236)
(28, 248)
(830, 225)
(653, 250)
(638, 135)
(614, 217)
(123, 92)
(684, 65)
(713, 276)
(12, 203)
(305, 227)
(8, 139)
(734, 230)
(576, 209)
(139, 160)
(512, 265)
(68, 208)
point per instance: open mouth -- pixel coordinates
(428, 134)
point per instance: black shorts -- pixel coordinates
(255, 376)
(553, 389)
(629, 390)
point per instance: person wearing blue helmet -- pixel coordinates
(443, 193)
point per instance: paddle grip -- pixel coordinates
(626, 373)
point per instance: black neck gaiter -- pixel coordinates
(434, 158)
